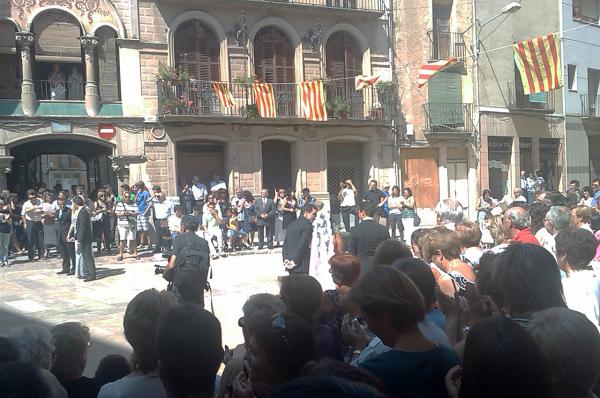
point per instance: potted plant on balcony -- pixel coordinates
(386, 94)
(171, 74)
(339, 108)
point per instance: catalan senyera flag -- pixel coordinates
(265, 99)
(427, 71)
(224, 94)
(362, 81)
(313, 101)
(538, 61)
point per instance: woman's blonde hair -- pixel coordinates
(442, 239)
(497, 230)
(386, 290)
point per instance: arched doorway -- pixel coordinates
(200, 158)
(65, 161)
(276, 164)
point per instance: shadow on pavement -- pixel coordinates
(100, 347)
(102, 272)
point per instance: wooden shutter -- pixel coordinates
(445, 98)
(57, 35)
(108, 64)
(197, 51)
(344, 61)
(273, 57)
(10, 64)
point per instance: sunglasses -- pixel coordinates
(279, 327)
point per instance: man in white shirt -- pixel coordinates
(199, 191)
(557, 219)
(163, 209)
(175, 222)
(347, 198)
(32, 214)
(217, 183)
(237, 199)
(126, 213)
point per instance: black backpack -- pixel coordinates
(191, 268)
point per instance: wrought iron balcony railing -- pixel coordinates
(444, 45)
(442, 117)
(201, 99)
(60, 90)
(539, 102)
(590, 106)
(362, 5)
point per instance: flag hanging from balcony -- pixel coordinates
(427, 71)
(313, 101)
(224, 94)
(538, 61)
(362, 81)
(265, 99)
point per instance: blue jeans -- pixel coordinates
(78, 261)
(4, 242)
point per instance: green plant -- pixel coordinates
(245, 80)
(339, 107)
(252, 111)
(168, 73)
(386, 90)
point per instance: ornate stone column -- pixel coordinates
(28, 102)
(92, 94)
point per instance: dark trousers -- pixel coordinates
(346, 211)
(67, 252)
(89, 265)
(261, 234)
(35, 238)
(161, 232)
(396, 222)
(102, 230)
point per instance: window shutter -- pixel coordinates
(197, 51)
(344, 61)
(273, 57)
(108, 64)
(57, 35)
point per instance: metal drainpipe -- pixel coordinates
(391, 57)
(475, 73)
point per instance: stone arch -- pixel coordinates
(42, 10)
(212, 23)
(289, 31)
(12, 143)
(357, 35)
(12, 21)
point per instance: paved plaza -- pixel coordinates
(34, 293)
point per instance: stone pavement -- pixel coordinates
(34, 293)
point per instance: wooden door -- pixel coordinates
(420, 173)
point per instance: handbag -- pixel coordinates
(416, 220)
(97, 217)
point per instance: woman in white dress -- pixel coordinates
(50, 231)
(321, 247)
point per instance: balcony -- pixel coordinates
(200, 99)
(377, 6)
(441, 117)
(590, 106)
(580, 15)
(445, 45)
(60, 90)
(539, 102)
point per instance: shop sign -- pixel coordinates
(525, 144)
(107, 131)
(549, 146)
(499, 146)
(61, 127)
(496, 164)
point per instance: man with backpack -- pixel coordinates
(189, 263)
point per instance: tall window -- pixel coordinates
(108, 64)
(58, 57)
(197, 51)
(344, 59)
(9, 62)
(273, 57)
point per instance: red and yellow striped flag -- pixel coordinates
(265, 99)
(538, 61)
(313, 101)
(427, 71)
(224, 94)
(362, 81)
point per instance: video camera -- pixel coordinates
(160, 269)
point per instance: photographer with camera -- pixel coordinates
(347, 198)
(189, 264)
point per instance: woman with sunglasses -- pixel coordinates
(278, 349)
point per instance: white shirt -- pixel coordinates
(586, 226)
(348, 198)
(586, 202)
(135, 385)
(395, 201)
(163, 210)
(174, 223)
(199, 191)
(520, 198)
(206, 212)
(547, 241)
(582, 293)
(31, 211)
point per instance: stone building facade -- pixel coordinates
(83, 81)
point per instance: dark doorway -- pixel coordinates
(345, 160)
(200, 158)
(276, 164)
(65, 161)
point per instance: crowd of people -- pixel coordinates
(447, 316)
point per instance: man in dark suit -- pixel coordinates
(365, 236)
(265, 220)
(296, 246)
(84, 237)
(62, 217)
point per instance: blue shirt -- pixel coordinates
(596, 199)
(140, 200)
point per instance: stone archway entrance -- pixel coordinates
(65, 161)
